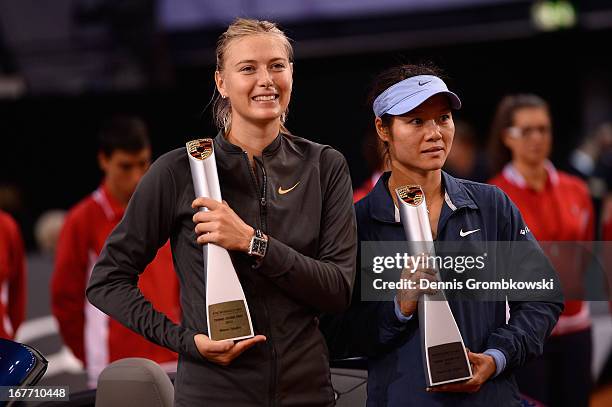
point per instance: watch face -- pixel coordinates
(258, 246)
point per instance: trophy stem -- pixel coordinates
(227, 311)
(444, 356)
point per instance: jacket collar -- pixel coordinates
(456, 195)
(381, 205)
(112, 208)
(511, 174)
(225, 145)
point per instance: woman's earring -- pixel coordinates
(223, 96)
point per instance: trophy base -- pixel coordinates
(448, 363)
(229, 320)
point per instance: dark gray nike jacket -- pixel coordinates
(308, 269)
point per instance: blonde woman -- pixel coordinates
(293, 192)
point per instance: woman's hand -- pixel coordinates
(221, 225)
(483, 367)
(223, 352)
(408, 298)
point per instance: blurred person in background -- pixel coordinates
(371, 149)
(124, 156)
(12, 277)
(585, 159)
(592, 161)
(556, 207)
(47, 230)
(602, 394)
(465, 160)
(13, 202)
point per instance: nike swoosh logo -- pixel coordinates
(469, 232)
(423, 83)
(284, 191)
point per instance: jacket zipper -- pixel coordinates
(253, 178)
(263, 225)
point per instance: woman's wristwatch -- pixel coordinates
(258, 245)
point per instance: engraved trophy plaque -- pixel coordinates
(444, 356)
(227, 311)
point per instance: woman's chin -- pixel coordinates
(433, 165)
(424, 168)
(265, 117)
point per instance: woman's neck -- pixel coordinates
(430, 182)
(535, 175)
(252, 137)
(116, 193)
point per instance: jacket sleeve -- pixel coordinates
(326, 282)
(133, 244)
(68, 282)
(366, 329)
(531, 322)
(17, 279)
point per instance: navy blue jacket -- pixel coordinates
(395, 367)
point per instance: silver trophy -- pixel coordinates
(444, 356)
(227, 311)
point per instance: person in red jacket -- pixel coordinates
(12, 277)
(371, 149)
(124, 156)
(556, 206)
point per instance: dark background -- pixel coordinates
(73, 82)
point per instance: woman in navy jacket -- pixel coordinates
(414, 121)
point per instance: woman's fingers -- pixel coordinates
(209, 203)
(220, 347)
(211, 237)
(206, 227)
(431, 272)
(203, 216)
(427, 288)
(426, 275)
(246, 344)
(423, 279)
(224, 352)
(408, 273)
(207, 346)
